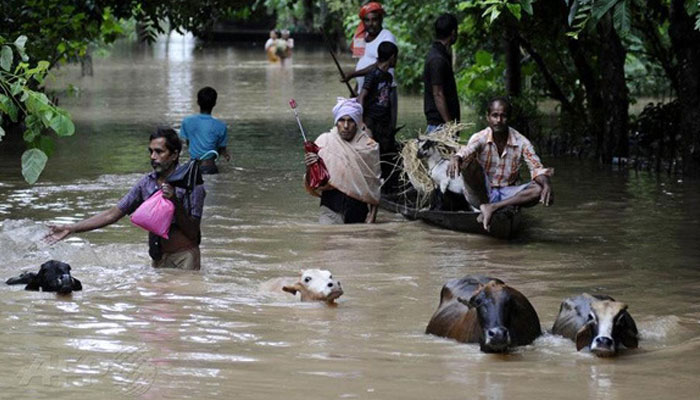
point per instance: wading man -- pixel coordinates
(490, 165)
(181, 249)
(365, 45)
(204, 133)
(352, 158)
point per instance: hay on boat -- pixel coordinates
(415, 170)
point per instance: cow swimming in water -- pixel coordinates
(597, 322)
(477, 309)
(53, 276)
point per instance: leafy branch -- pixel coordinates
(30, 109)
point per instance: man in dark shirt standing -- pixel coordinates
(440, 100)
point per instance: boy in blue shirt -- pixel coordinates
(204, 133)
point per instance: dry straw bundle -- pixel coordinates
(414, 169)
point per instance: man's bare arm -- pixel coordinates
(224, 153)
(547, 195)
(107, 217)
(359, 72)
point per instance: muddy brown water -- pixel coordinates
(135, 332)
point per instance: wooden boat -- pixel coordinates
(505, 223)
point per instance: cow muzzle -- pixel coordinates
(65, 284)
(496, 340)
(603, 346)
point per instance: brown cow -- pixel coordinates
(477, 309)
(598, 322)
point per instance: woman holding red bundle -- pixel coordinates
(352, 159)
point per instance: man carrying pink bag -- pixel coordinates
(168, 201)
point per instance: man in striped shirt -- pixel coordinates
(490, 165)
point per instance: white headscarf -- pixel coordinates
(349, 107)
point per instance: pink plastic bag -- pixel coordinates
(155, 214)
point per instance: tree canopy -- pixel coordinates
(593, 58)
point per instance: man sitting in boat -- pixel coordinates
(490, 165)
(352, 159)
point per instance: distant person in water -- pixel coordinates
(352, 158)
(271, 47)
(204, 133)
(288, 43)
(181, 249)
(490, 165)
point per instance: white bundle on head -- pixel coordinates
(349, 107)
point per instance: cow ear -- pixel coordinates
(291, 288)
(628, 333)
(584, 336)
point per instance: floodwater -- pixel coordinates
(136, 332)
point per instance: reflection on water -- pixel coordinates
(139, 332)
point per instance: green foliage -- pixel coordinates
(492, 9)
(57, 31)
(585, 14)
(33, 163)
(19, 100)
(481, 80)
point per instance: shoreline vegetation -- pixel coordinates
(589, 62)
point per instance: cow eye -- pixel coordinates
(591, 317)
(307, 279)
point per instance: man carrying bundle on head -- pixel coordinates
(352, 159)
(365, 46)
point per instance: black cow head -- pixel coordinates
(492, 305)
(53, 276)
(608, 325)
(505, 316)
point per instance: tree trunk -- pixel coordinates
(614, 93)
(511, 47)
(308, 15)
(594, 102)
(684, 42)
(607, 96)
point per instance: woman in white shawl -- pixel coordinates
(352, 159)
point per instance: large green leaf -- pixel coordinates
(6, 58)
(8, 107)
(621, 18)
(600, 7)
(515, 9)
(33, 163)
(20, 41)
(62, 124)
